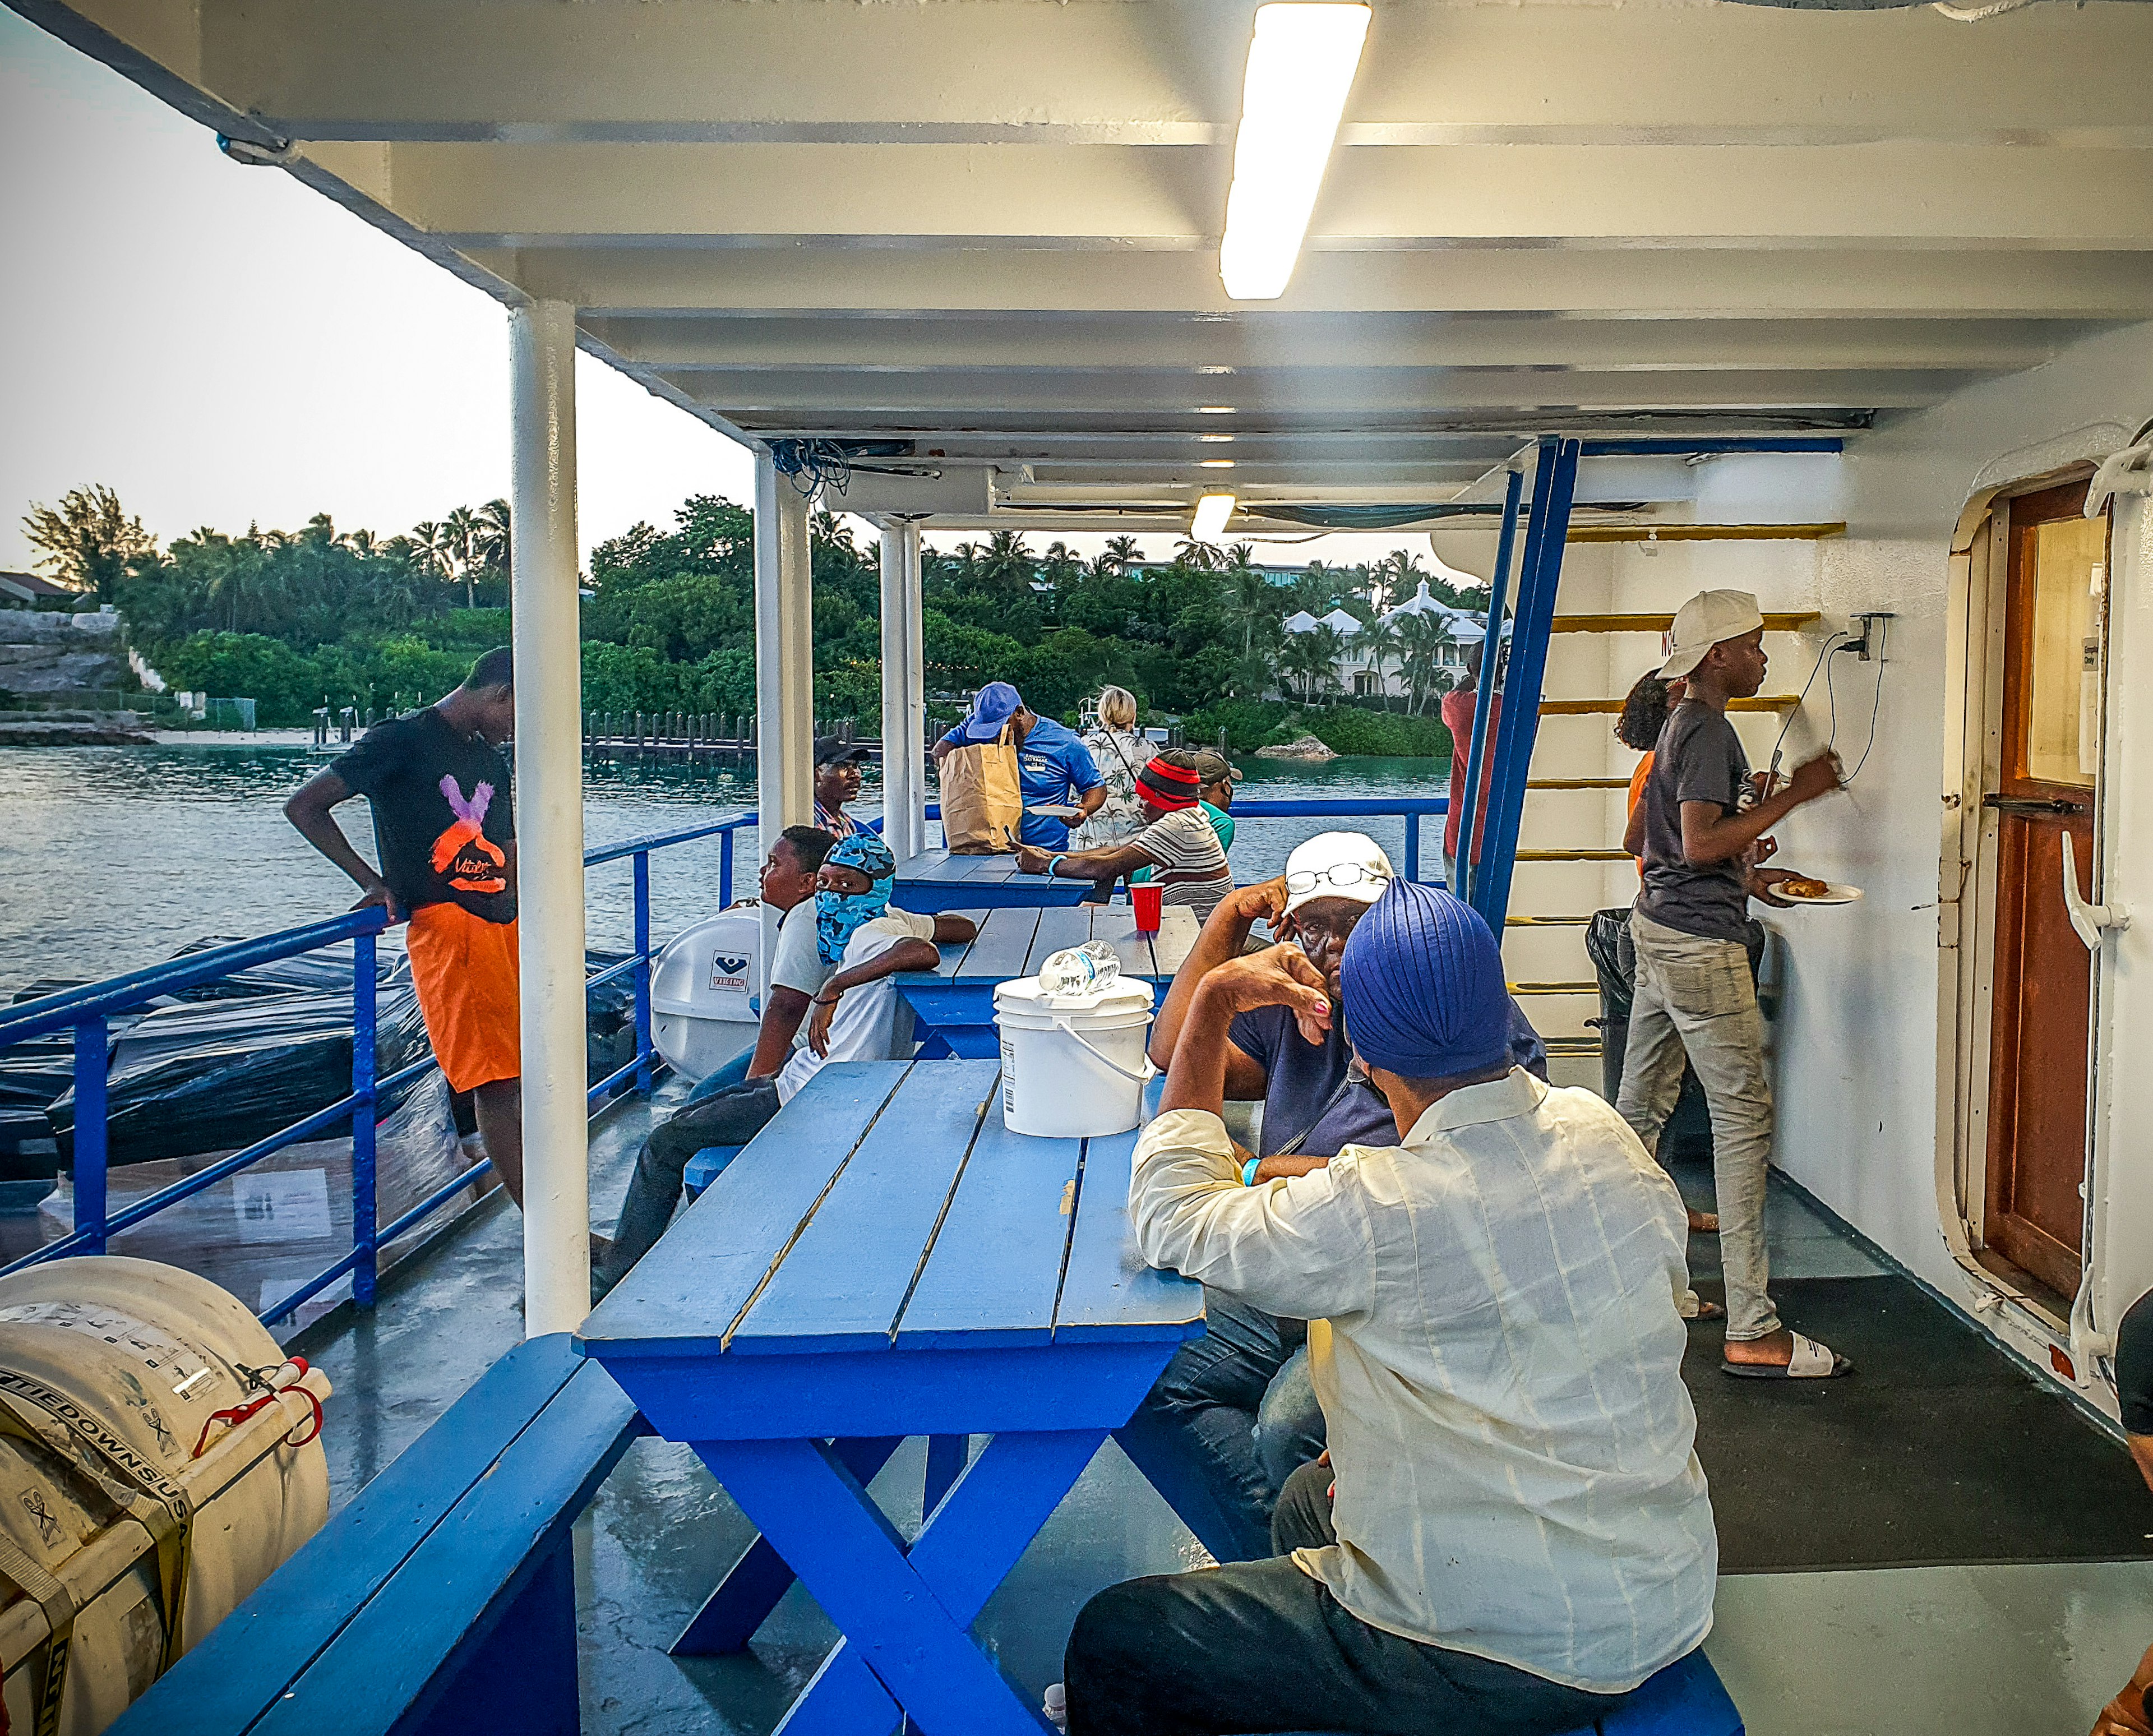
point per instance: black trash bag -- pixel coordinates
(325, 970)
(35, 1070)
(219, 1074)
(609, 1018)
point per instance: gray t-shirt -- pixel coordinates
(1699, 758)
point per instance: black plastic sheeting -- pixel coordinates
(222, 1074)
(236, 1060)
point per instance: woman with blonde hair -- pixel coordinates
(1119, 750)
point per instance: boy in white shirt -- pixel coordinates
(840, 958)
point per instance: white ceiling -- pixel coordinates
(989, 228)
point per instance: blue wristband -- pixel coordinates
(1055, 863)
(1249, 1171)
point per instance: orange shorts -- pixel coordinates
(465, 970)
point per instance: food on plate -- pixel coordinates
(1801, 887)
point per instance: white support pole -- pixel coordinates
(903, 784)
(549, 814)
(784, 670)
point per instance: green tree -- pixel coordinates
(1422, 641)
(88, 542)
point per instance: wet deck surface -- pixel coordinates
(1979, 1650)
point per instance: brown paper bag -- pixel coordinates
(982, 798)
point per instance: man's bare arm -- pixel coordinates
(1224, 934)
(1110, 862)
(310, 811)
(782, 1010)
(1710, 836)
(950, 928)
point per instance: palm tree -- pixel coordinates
(1121, 553)
(1251, 601)
(1378, 640)
(1006, 564)
(1302, 655)
(1203, 556)
(493, 540)
(1423, 638)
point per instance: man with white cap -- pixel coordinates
(1234, 1413)
(1694, 994)
(1513, 1531)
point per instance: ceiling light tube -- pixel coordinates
(1302, 57)
(1212, 512)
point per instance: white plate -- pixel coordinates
(1835, 895)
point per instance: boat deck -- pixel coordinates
(2016, 1650)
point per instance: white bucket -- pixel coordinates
(1073, 1065)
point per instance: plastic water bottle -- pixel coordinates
(1086, 969)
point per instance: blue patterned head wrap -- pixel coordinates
(1423, 987)
(839, 915)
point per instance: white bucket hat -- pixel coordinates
(1337, 865)
(1707, 620)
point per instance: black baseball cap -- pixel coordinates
(829, 750)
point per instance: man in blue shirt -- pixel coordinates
(1054, 768)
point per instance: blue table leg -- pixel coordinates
(752, 1586)
(905, 1613)
(945, 1460)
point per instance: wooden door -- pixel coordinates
(2043, 975)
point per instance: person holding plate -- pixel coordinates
(1694, 995)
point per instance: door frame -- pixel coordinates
(1968, 886)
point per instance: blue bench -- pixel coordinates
(443, 1599)
(1687, 1698)
(704, 1168)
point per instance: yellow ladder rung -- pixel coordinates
(1577, 783)
(1661, 623)
(1546, 921)
(1584, 988)
(1573, 856)
(1703, 533)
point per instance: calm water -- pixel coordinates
(113, 857)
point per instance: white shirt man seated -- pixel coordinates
(1520, 1532)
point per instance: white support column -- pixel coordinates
(903, 709)
(549, 816)
(784, 670)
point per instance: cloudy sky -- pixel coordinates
(224, 347)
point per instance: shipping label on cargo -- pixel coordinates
(288, 1205)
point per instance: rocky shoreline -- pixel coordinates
(75, 729)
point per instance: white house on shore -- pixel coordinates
(1465, 626)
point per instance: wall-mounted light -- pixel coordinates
(1302, 56)
(1212, 512)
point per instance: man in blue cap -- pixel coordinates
(1055, 769)
(1512, 1531)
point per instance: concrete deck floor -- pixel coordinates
(2012, 1651)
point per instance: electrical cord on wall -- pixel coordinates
(1787, 722)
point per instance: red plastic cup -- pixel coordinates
(1147, 901)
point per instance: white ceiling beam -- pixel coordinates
(1207, 349)
(1973, 198)
(992, 70)
(1673, 283)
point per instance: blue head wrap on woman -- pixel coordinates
(1422, 983)
(839, 915)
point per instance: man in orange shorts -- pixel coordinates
(445, 829)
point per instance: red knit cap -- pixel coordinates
(1168, 785)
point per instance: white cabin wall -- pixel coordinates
(1860, 1035)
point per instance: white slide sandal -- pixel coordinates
(1810, 1362)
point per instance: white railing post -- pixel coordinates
(903, 787)
(549, 814)
(784, 670)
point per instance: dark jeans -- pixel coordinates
(730, 1117)
(1231, 1417)
(1260, 1645)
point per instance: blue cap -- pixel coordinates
(1423, 987)
(992, 707)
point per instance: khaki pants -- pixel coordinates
(1694, 997)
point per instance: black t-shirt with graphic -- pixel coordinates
(443, 817)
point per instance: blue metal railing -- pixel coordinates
(87, 1011)
(1413, 809)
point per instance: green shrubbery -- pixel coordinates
(1250, 723)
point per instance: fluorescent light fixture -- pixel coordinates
(1302, 60)
(1214, 464)
(1214, 409)
(1211, 439)
(1212, 512)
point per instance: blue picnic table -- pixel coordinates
(936, 880)
(886, 1259)
(953, 1005)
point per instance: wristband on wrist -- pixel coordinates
(1249, 1171)
(1054, 867)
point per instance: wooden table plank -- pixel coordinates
(954, 952)
(1005, 943)
(1109, 1293)
(692, 1285)
(1116, 925)
(1069, 926)
(842, 1282)
(937, 865)
(996, 1263)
